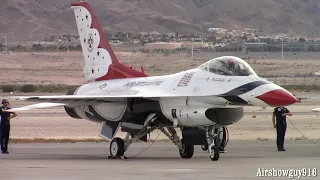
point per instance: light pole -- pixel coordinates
(192, 49)
(5, 44)
(282, 37)
(282, 48)
(5, 36)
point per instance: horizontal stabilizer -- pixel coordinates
(35, 106)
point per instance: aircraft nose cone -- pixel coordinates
(279, 97)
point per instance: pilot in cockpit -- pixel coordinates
(228, 66)
(236, 68)
(231, 65)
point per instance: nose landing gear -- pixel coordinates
(221, 139)
(211, 135)
(214, 153)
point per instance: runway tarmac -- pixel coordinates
(161, 161)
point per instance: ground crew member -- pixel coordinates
(280, 114)
(5, 125)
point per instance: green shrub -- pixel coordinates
(28, 88)
(8, 88)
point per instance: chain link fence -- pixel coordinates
(294, 80)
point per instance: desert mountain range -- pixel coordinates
(29, 19)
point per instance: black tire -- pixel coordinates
(187, 150)
(117, 147)
(216, 155)
(204, 147)
(223, 143)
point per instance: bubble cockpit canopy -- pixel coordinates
(228, 66)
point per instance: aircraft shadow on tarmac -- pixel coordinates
(234, 153)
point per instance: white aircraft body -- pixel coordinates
(198, 100)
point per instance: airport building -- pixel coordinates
(174, 45)
(163, 45)
(196, 45)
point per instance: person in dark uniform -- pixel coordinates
(5, 125)
(280, 114)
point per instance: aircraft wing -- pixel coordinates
(35, 106)
(71, 98)
(95, 98)
(63, 100)
(76, 99)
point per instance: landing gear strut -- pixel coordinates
(186, 149)
(213, 149)
(221, 139)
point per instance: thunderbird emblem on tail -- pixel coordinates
(90, 42)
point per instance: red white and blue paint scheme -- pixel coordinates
(199, 100)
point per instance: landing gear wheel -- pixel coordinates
(116, 147)
(204, 147)
(215, 153)
(187, 150)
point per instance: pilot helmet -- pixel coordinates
(231, 63)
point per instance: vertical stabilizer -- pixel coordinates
(100, 60)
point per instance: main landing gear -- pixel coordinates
(119, 146)
(186, 149)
